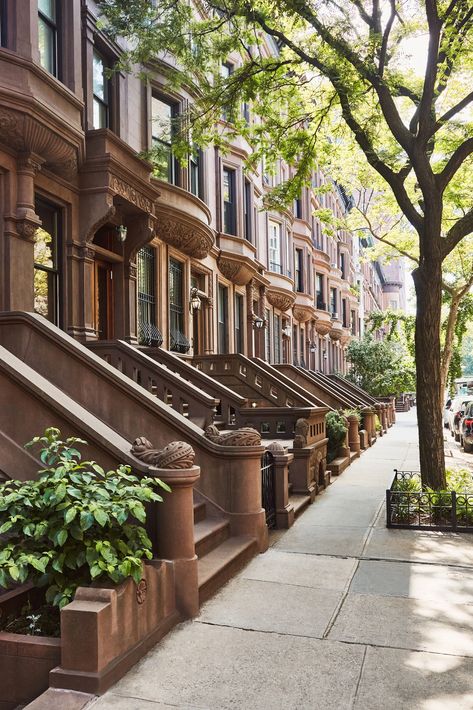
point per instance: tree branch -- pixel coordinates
(455, 162)
(459, 230)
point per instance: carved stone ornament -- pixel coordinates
(190, 237)
(27, 227)
(301, 431)
(281, 300)
(141, 591)
(246, 436)
(275, 447)
(176, 455)
(336, 331)
(130, 194)
(302, 313)
(323, 327)
(237, 271)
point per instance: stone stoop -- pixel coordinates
(220, 555)
(338, 465)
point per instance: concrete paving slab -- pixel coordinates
(330, 573)
(112, 701)
(318, 540)
(404, 680)
(421, 546)
(349, 514)
(405, 623)
(416, 581)
(223, 668)
(269, 606)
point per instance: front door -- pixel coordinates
(104, 300)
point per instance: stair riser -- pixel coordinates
(228, 571)
(211, 541)
(200, 512)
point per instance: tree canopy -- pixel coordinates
(317, 74)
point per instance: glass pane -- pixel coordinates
(98, 77)
(100, 114)
(44, 248)
(46, 45)
(48, 8)
(45, 294)
(161, 114)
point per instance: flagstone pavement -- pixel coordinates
(340, 614)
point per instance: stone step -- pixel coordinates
(220, 565)
(200, 512)
(300, 502)
(209, 534)
(338, 465)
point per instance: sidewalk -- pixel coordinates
(339, 614)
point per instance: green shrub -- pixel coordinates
(76, 524)
(336, 429)
(354, 412)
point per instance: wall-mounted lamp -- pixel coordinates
(313, 346)
(121, 233)
(195, 303)
(325, 356)
(287, 331)
(258, 322)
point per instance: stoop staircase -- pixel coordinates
(220, 555)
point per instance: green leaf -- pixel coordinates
(86, 520)
(61, 537)
(70, 515)
(101, 517)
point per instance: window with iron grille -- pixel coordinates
(148, 333)
(178, 341)
(47, 35)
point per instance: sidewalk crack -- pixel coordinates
(355, 696)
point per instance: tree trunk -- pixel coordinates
(428, 285)
(449, 336)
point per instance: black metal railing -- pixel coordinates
(268, 488)
(410, 506)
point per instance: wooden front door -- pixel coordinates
(104, 300)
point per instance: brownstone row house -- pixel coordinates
(142, 273)
(105, 247)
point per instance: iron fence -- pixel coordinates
(268, 488)
(408, 506)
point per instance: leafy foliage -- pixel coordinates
(381, 368)
(336, 429)
(74, 525)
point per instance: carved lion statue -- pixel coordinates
(301, 431)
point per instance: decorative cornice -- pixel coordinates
(182, 232)
(236, 269)
(303, 313)
(279, 298)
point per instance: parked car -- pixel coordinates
(466, 429)
(456, 412)
(446, 411)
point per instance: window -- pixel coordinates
(239, 323)
(229, 201)
(101, 91)
(226, 70)
(302, 348)
(3, 23)
(277, 338)
(46, 263)
(295, 361)
(222, 319)
(298, 208)
(247, 207)
(275, 247)
(163, 117)
(298, 272)
(344, 313)
(343, 264)
(245, 109)
(178, 341)
(393, 305)
(148, 333)
(308, 275)
(267, 336)
(319, 290)
(47, 35)
(353, 322)
(333, 302)
(195, 173)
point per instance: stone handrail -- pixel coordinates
(178, 393)
(277, 371)
(230, 476)
(338, 384)
(229, 401)
(309, 380)
(358, 391)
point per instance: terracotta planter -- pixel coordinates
(25, 660)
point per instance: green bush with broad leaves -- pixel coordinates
(76, 524)
(336, 429)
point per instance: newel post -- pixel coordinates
(171, 523)
(353, 433)
(284, 509)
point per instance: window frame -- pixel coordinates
(239, 309)
(4, 24)
(274, 265)
(174, 170)
(248, 210)
(105, 103)
(222, 322)
(55, 272)
(231, 223)
(54, 26)
(299, 270)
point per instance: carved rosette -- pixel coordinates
(246, 436)
(280, 299)
(176, 455)
(303, 313)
